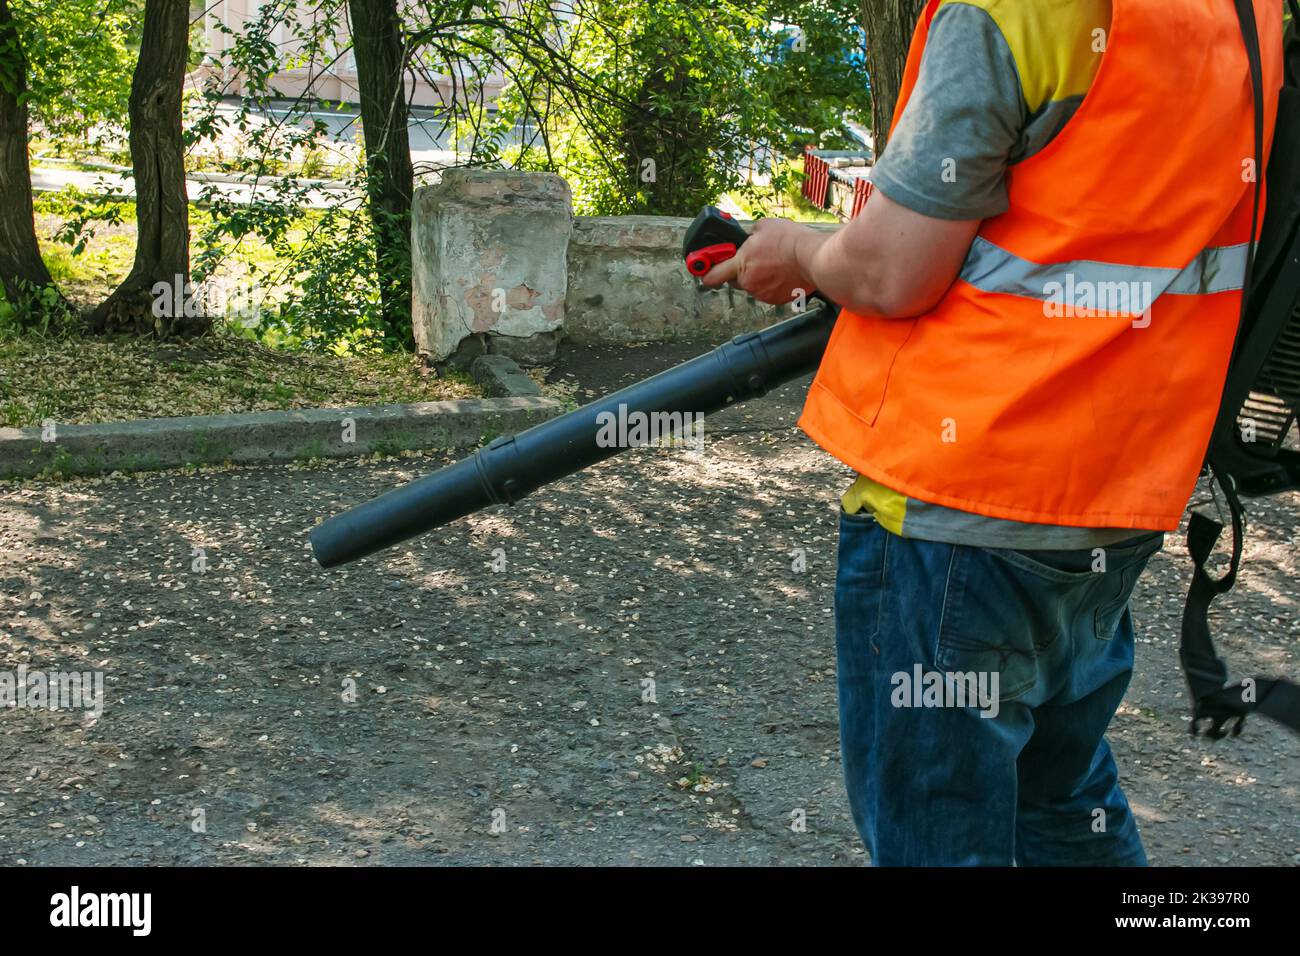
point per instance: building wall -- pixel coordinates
(338, 82)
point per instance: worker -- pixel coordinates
(1039, 304)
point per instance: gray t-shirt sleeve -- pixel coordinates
(948, 156)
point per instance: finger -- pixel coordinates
(723, 272)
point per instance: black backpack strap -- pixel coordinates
(1221, 705)
(1250, 35)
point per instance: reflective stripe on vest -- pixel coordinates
(1087, 283)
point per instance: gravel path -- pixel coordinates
(626, 668)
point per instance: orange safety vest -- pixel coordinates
(1072, 372)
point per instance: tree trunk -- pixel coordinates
(649, 134)
(21, 266)
(377, 44)
(888, 25)
(162, 251)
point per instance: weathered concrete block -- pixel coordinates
(501, 266)
(500, 377)
(627, 283)
(489, 256)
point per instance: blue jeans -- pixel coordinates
(975, 686)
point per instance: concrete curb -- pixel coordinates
(156, 443)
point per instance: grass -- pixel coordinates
(87, 278)
(77, 164)
(316, 164)
(789, 204)
(84, 380)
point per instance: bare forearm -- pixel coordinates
(843, 270)
(888, 262)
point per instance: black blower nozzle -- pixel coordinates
(512, 466)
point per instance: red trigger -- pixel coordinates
(701, 261)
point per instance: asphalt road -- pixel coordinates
(627, 668)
